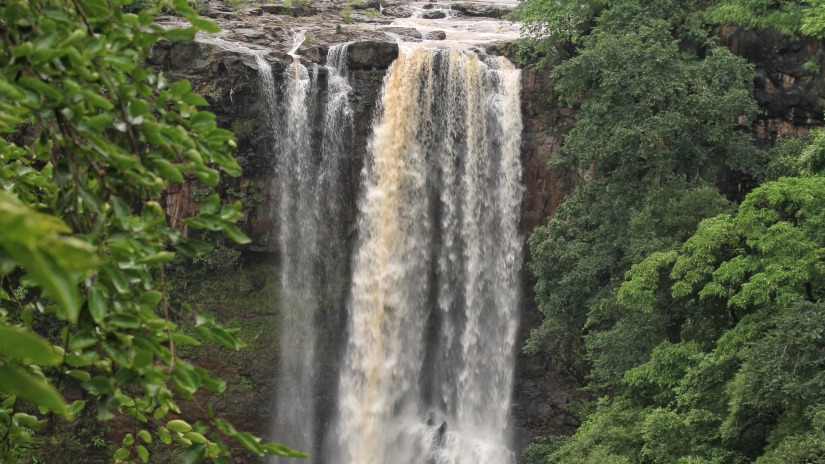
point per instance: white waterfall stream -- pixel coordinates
(308, 175)
(427, 373)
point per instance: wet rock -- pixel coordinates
(404, 32)
(218, 14)
(435, 35)
(250, 34)
(366, 5)
(304, 10)
(486, 10)
(372, 54)
(253, 11)
(283, 10)
(367, 19)
(434, 14)
(397, 12)
(277, 9)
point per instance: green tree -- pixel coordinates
(657, 119)
(91, 140)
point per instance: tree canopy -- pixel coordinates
(693, 319)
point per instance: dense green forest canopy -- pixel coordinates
(89, 140)
(693, 320)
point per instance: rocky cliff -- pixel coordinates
(224, 70)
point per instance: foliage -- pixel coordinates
(752, 389)
(784, 16)
(92, 140)
(242, 127)
(696, 323)
(346, 13)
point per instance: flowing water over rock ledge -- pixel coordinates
(460, 358)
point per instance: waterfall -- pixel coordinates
(427, 372)
(310, 144)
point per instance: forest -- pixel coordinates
(680, 281)
(689, 312)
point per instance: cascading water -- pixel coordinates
(427, 373)
(308, 174)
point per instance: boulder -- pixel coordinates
(434, 14)
(409, 33)
(250, 34)
(486, 10)
(397, 12)
(435, 35)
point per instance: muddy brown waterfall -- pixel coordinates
(427, 373)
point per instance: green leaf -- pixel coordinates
(83, 376)
(195, 437)
(226, 339)
(40, 87)
(27, 420)
(143, 453)
(117, 278)
(194, 454)
(280, 450)
(157, 258)
(250, 442)
(100, 121)
(208, 176)
(145, 436)
(121, 454)
(76, 407)
(236, 235)
(96, 305)
(164, 435)
(183, 339)
(179, 88)
(26, 346)
(211, 205)
(83, 339)
(18, 382)
(177, 425)
(167, 170)
(192, 248)
(55, 280)
(9, 91)
(151, 298)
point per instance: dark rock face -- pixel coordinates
(372, 55)
(296, 11)
(788, 96)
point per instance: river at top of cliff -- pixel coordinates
(463, 23)
(271, 28)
